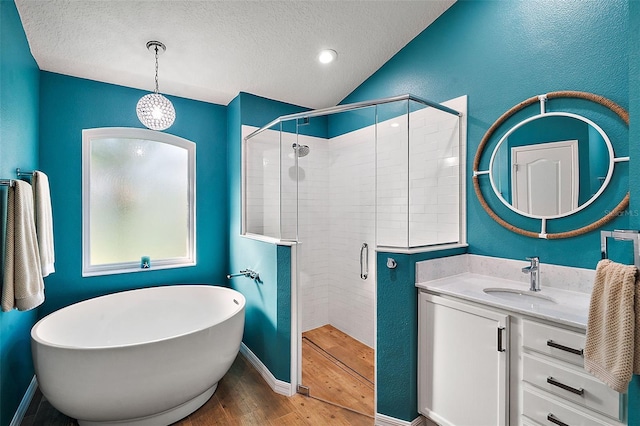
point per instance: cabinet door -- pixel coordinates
(462, 363)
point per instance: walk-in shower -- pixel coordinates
(340, 184)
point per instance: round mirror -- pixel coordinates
(551, 165)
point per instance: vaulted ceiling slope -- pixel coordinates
(217, 48)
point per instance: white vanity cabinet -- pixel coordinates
(481, 365)
(463, 363)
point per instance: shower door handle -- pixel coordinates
(364, 261)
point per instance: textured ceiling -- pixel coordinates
(216, 48)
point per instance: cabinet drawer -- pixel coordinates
(555, 342)
(547, 411)
(573, 385)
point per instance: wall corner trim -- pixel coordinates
(24, 404)
(278, 386)
(382, 420)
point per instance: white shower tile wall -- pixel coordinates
(419, 159)
(352, 216)
(313, 219)
(335, 183)
(262, 196)
(392, 182)
(336, 214)
(289, 187)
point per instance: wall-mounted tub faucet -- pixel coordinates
(245, 273)
(534, 273)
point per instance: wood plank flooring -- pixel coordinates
(242, 398)
(338, 369)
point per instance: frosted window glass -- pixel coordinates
(139, 202)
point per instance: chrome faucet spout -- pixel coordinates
(534, 273)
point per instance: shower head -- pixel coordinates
(301, 150)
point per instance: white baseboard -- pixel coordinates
(278, 386)
(24, 404)
(382, 420)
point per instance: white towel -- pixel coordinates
(22, 287)
(612, 347)
(44, 221)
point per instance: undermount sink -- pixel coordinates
(520, 295)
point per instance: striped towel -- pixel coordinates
(22, 286)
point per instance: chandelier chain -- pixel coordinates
(156, 68)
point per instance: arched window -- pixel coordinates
(138, 201)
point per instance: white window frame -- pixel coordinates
(150, 135)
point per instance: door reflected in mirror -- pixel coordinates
(551, 165)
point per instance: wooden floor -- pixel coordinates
(242, 398)
(338, 369)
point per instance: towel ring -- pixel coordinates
(625, 235)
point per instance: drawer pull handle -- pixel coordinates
(554, 419)
(564, 348)
(553, 382)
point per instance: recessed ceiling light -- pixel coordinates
(327, 55)
(395, 124)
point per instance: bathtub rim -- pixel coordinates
(38, 340)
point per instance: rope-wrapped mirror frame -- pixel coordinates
(621, 112)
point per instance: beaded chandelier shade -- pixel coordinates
(154, 110)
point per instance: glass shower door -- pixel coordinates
(336, 259)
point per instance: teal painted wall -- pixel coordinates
(68, 105)
(500, 53)
(267, 330)
(19, 82)
(397, 339)
(258, 111)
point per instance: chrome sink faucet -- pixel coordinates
(534, 273)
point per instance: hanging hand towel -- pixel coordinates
(22, 287)
(611, 349)
(44, 221)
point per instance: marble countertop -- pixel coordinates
(571, 307)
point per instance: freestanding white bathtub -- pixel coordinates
(139, 357)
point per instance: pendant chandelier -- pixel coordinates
(154, 110)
